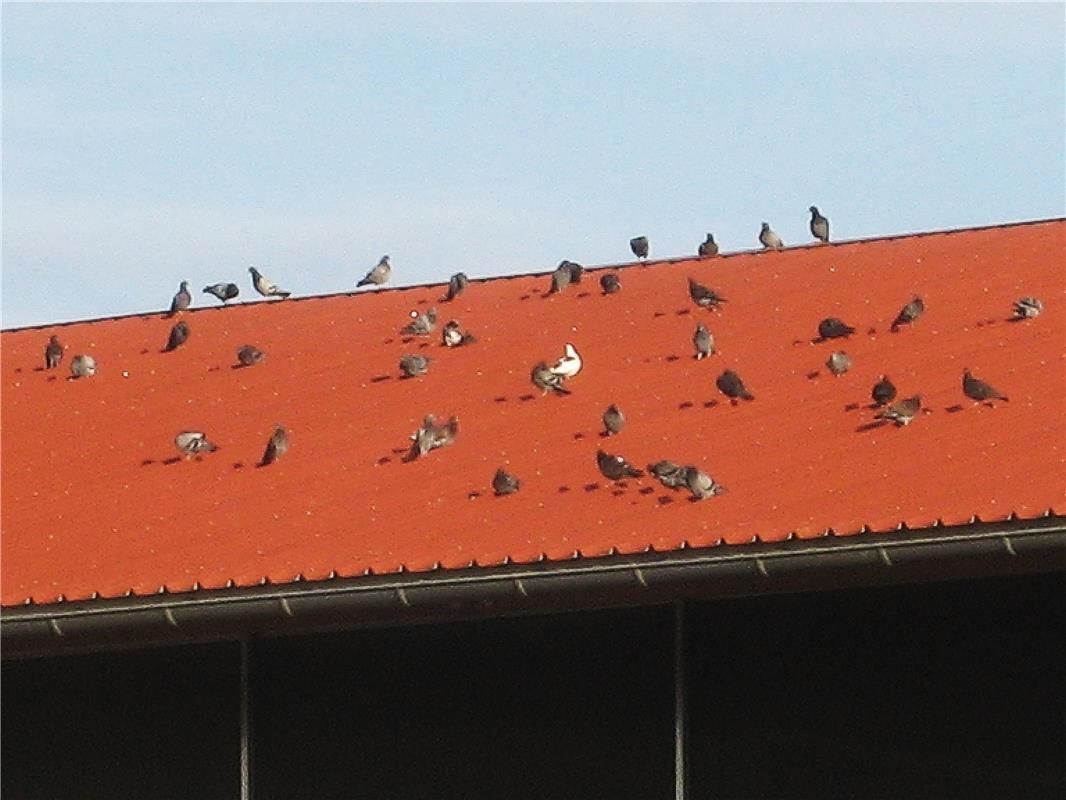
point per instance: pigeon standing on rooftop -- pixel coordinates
(413, 365)
(615, 468)
(819, 225)
(768, 239)
(670, 475)
(377, 274)
(223, 291)
(569, 365)
(276, 447)
(249, 355)
(838, 362)
(191, 443)
(182, 300)
(560, 278)
(610, 283)
(701, 484)
(421, 324)
(53, 353)
(431, 436)
(979, 391)
(179, 334)
(505, 483)
(708, 247)
(1027, 308)
(576, 271)
(456, 284)
(884, 392)
(702, 296)
(703, 341)
(639, 246)
(454, 336)
(265, 286)
(546, 380)
(833, 328)
(730, 384)
(903, 412)
(613, 420)
(908, 314)
(82, 367)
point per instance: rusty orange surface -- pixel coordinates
(92, 502)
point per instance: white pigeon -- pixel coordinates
(569, 365)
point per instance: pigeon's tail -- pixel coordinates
(468, 338)
(746, 395)
(633, 472)
(282, 295)
(363, 282)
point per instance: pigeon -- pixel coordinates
(639, 246)
(82, 367)
(191, 443)
(701, 484)
(702, 296)
(432, 436)
(576, 270)
(223, 291)
(708, 247)
(616, 468)
(670, 475)
(456, 284)
(266, 287)
(561, 277)
(903, 412)
(610, 283)
(179, 334)
(613, 419)
(182, 300)
(546, 380)
(454, 336)
(276, 447)
(908, 314)
(569, 365)
(833, 328)
(838, 362)
(730, 384)
(884, 392)
(377, 274)
(421, 324)
(1027, 308)
(53, 353)
(819, 225)
(249, 355)
(413, 365)
(703, 341)
(979, 391)
(769, 239)
(505, 483)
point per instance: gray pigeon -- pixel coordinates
(576, 270)
(819, 225)
(908, 314)
(454, 336)
(701, 484)
(265, 286)
(377, 274)
(82, 367)
(670, 475)
(769, 239)
(703, 341)
(182, 300)
(702, 296)
(903, 412)
(413, 365)
(613, 419)
(615, 468)
(53, 353)
(833, 328)
(1027, 308)
(179, 334)
(979, 391)
(838, 362)
(505, 483)
(610, 283)
(730, 384)
(223, 291)
(431, 436)
(191, 443)
(249, 355)
(546, 380)
(708, 247)
(884, 392)
(639, 246)
(276, 447)
(421, 324)
(561, 277)
(456, 284)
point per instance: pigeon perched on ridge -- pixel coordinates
(708, 247)
(546, 380)
(701, 484)
(979, 391)
(456, 284)
(1027, 308)
(616, 468)
(182, 300)
(702, 296)
(505, 483)
(884, 391)
(276, 447)
(249, 355)
(191, 443)
(613, 420)
(179, 334)
(903, 412)
(569, 365)
(703, 341)
(421, 324)
(670, 475)
(377, 274)
(53, 353)
(833, 328)
(838, 362)
(639, 246)
(730, 384)
(610, 283)
(265, 286)
(453, 335)
(561, 277)
(223, 291)
(576, 270)
(908, 314)
(413, 365)
(819, 225)
(82, 367)
(768, 239)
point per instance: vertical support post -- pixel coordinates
(245, 727)
(680, 705)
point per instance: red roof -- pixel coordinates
(92, 506)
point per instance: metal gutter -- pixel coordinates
(933, 554)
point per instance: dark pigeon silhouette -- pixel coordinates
(191, 443)
(546, 380)
(833, 328)
(903, 412)
(276, 447)
(819, 225)
(249, 355)
(179, 334)
(505, 483)
(703, 341)
(702, 296)
(413, 365)
(979, 391)
(908, 314)
(377, 274)
(182, 300)
(616, 468)
(265, 286)
(610, 283)
(708, 247)
(639, 246)
(456, 285)
(730, 384)
(670, 475)
(53, 353)
(884, 392)
(576, 271)
(768, 239)
(223, 291)
(613, 420)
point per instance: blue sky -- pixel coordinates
(144, 144)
